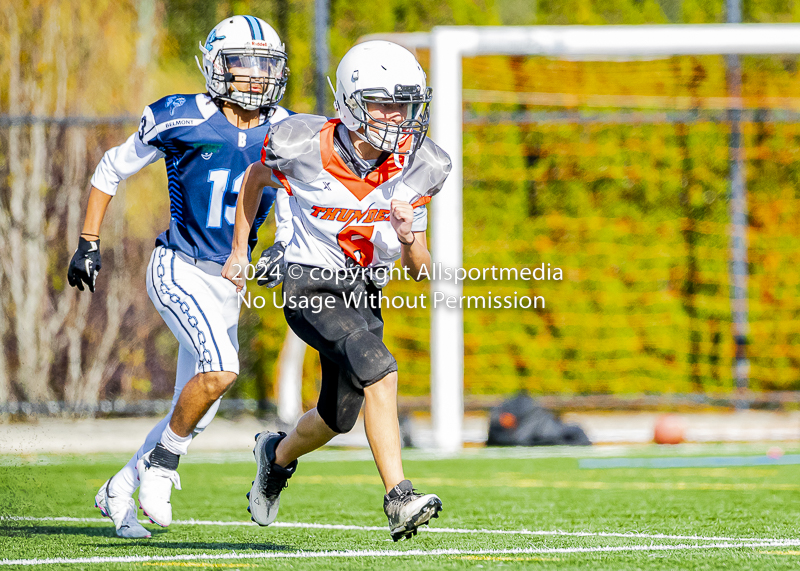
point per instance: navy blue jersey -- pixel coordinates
(206, 157)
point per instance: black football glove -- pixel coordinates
(85, 264)
(271, 265)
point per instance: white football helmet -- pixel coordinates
(383, 72)
(244, 50)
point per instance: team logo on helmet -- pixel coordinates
(213, 37)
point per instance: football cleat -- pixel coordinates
(265, 495)
(407, 510)
(122, 512)
(155, 489)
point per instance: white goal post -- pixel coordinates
(448, 46)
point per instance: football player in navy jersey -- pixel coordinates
(207, 141)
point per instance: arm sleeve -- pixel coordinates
(128, 158)
(292, 147)
(420, 223)
(284, 230)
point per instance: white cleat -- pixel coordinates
(155, 489)
(122, 512)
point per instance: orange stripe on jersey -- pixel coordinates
(264, 149)
(278, 175)
(420, 201)
(336, 167)
(284, 182)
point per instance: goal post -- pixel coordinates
(448, 46)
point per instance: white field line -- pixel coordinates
(462, 531)
(391, 553)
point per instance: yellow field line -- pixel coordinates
(497, 558)
(192, 564)
(358, 480)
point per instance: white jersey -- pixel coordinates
(341, 220)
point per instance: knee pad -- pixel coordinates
(349, 406)
(368, 358)
(339, 400)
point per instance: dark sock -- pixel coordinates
(403, 487)
(164, 458)
(286, 471)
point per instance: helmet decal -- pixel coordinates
(213, 37)
(255, 28)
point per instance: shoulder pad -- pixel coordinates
(279, 114)
(429, 170)
(292, 147)
(177, 111)
(147, 126)
(175, 106)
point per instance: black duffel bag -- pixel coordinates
(520, 422)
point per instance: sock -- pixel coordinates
(176, 444)
(272, 453)
(284, 472)
(124, 482)
(403, 487)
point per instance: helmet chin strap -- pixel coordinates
(366, 139)
(242, 104)
(399, 159)
(333, 90)
(200, 66)
(268, 89)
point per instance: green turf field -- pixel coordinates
(534, 509)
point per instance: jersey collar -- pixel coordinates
(337, 168)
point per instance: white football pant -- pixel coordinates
(201, 309)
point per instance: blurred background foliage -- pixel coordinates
(635, 213)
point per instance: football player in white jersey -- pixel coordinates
(358, 186)
(207, 141)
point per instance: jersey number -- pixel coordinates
(355, 241)
(219, 184)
